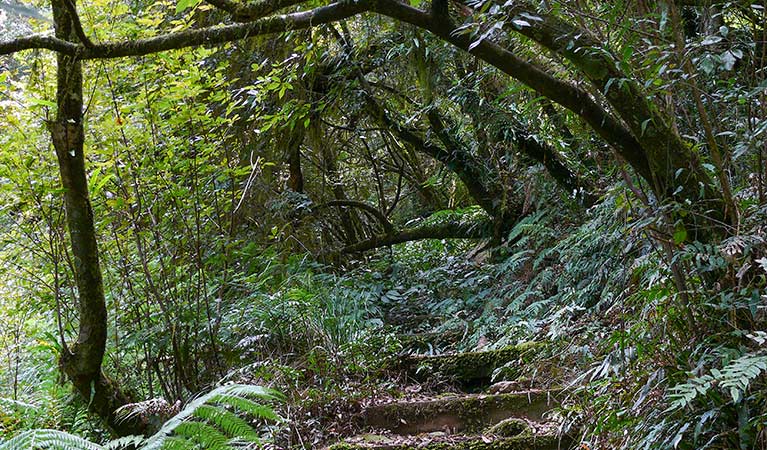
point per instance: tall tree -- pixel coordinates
(82, 361)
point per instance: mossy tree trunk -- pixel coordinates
(82, 361)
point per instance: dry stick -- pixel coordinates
(763, 102)
(140, 243)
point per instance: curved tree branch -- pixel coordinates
(663, 148)
(559, 91)
(449, 230)
(247, 12)
(457, 160)
(382, 219)
(192, 38)
(660, 157)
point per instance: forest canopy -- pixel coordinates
(447, 224)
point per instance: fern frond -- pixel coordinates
(175, 443)
(248, 406)
(206, 435)
(124, 442)
(231, 394)
(231, 424)
(738, 374)
(48, 439)
(248, 390)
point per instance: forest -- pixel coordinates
(383, 224)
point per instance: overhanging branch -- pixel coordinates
(247, 12)
(42, 41)
(192, 38)
(559, 91)
(447, 230)
(382, 219)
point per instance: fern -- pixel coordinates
(221, 395)
(738, 375)
(682, 395)
(735, 377)
(231, 424)
(203, 423)
(207, 436)
(48, 439)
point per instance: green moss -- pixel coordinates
(469, 413)
(470, 367)
(510, 428)
(513, 443)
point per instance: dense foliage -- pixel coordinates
(205, 203)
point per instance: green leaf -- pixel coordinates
(680, 235)
(42, 102)
(183, 5)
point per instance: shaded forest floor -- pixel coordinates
(604, 343)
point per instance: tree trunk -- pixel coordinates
(296, 175)
(82, 362)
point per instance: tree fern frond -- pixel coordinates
(206, 435)
(232, 394)
(124, 442)
(180, 432)
(231, 424)
(48, 439)
(16, 403)
(248, 406)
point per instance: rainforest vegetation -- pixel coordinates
(383, 224)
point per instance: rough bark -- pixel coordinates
(295, 174)
(81, 362)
